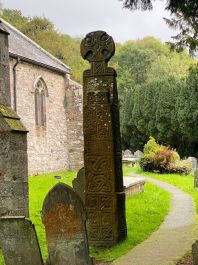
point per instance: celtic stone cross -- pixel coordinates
(104, 191)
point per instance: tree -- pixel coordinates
(185, 18)
(15, 18)
(187, 38)
(41, 30)
(187, 110)
(188, 8)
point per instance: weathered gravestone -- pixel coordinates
(64, 218)
(138, 154)
(127, 153)
(79, 184)
(196, 178)
(193, 162)
(104, 193)
(195, 253)
(20, 245)
(13, 145)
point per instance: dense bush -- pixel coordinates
(159, 158)
(182, 167)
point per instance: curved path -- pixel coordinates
(174, 237)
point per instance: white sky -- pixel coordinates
(78, 17)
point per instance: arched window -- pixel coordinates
(40, 103)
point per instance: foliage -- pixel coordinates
(144, 213)
(146, 164)
(15, 18)
(182, 167)
(154, 85)
(187, 38)
(149, 209)
(162, 159)
(41, 30)
(185, 18)
(164, 107)
(149, 81)
(185, 183)
(151, 147)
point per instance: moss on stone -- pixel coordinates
(8, 112)
(15, 125)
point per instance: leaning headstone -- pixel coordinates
(20, 244)
(64, 218)
(79, 184)
(104, 193)
(13, 145)
(195, 253)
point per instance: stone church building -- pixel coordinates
(49, 104)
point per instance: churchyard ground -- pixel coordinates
(145, 212)
(184, 183)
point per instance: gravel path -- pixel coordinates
(174, 237)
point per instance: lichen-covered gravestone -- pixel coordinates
(64, 218)
(104, 192)
(196, 178)
(79, 183)
(13, 145)
(195, 253)
(20, 245)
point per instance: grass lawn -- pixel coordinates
(144, 212)
(185, 183)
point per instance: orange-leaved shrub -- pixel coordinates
(162, 159)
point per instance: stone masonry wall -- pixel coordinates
(74, 100)
(47, 149)
(60, 146)
(13, 174)
(13, 146)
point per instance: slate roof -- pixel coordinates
(27, 50)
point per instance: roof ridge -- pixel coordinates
(34, 43)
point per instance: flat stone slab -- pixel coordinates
(129, 181)
(133, 185)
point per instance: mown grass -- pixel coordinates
(38, 189)
(144, 213)
(185, 183)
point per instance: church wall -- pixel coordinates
(48, 149)
(74, 115)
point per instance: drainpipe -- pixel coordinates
(14, 75)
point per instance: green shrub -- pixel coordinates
(146, 164)
(182, 167)
(151, 147)
(159, 158)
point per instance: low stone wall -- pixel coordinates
(130, 162)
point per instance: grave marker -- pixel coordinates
(19, 241)
(79, 184)
(195, 253)
(196, 178)
(104, 193)
(64, 218)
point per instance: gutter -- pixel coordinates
(14, 88)
(24, 59)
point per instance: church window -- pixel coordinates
(40, 103)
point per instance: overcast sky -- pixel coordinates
(78, 17)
